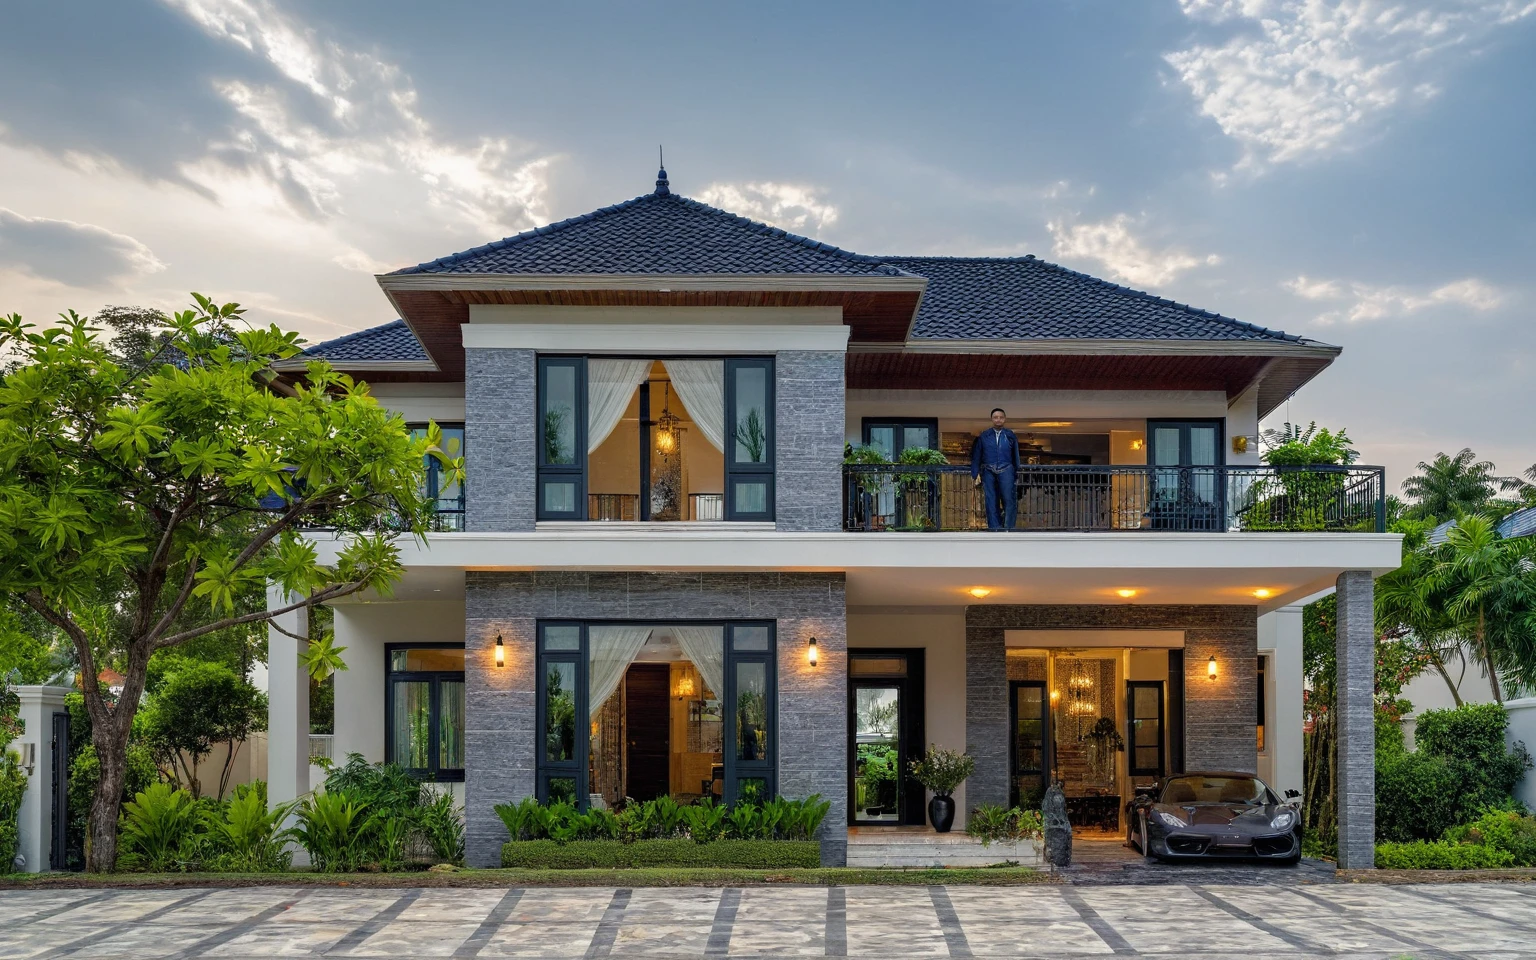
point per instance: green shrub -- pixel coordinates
(335, 828)
(1508, 830)
(663, 819)
(990, 822)
(443, 828)
(1440, 855)
(1460, 768)
(13, 786)
(943, 770)
(246, 837)
(612, 854)
(407, 822)
(158, 829)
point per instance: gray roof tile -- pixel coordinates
(392, 342)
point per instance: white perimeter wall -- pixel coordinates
(1280, 643)
(942, 637)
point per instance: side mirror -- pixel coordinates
(1292, 794)
(1147, 792)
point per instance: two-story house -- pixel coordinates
(674, 569)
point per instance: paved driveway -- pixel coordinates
(1169, 920)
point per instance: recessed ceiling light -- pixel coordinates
(1051, 423)
(1126, 592)
(979, 592)
(1261, 593)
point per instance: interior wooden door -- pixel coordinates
(647, 689)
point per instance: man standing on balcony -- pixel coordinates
(995, 469)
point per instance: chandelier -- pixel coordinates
(667, 425)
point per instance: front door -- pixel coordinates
(885, 715)
(1188, 489)
(647, 687)
(1029, 742)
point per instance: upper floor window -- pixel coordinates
(447, 496)
(627, 438)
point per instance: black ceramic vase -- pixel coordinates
(941, 813)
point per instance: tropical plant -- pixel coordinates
(158, 828)
(991, 823)
(1486, 586)
(1448, 487)
(1294, 446)
(705, 820)
(752, 437)
(555, 449)
(197, 706)
(168, 494)
(336, 829)
(13, 787)
(250, 838)
(943, 770)
(442, 827)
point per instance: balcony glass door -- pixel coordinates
(1187, 488)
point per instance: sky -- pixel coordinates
(1358, 172)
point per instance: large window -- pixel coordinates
(655, 439)
(447, 496)
(424, 709)
(640, 710)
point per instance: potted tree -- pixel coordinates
(941, 771)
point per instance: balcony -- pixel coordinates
(1334, 499)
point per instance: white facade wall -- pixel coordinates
(1280, 762)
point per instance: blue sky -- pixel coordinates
(1358, 172)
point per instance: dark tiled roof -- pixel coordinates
(657, 234)
(1521, 523)
(1023, 298)
(392, 342)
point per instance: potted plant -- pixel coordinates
(941, 771)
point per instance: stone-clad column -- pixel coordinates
(986, 709)
(808, 440)
(499, 439)
(1355, 693)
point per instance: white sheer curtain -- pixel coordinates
(611, 650)
(701, 384)
(705, 646)
(610, 384)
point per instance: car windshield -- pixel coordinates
(1215, 790)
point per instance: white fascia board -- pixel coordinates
(546, 314)
(1095, 347)
(369, 366)
(736, 549)
(656, 339)
(661, 283)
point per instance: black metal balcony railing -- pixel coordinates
(1117, 498)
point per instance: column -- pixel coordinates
(1355, 709)
(500, 439)
(986, 709)
(1285, 712)
(287, 703)
(38, 705)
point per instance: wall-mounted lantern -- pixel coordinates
(501, 652)
(1210, 669)
(810, 652)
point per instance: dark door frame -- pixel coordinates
(1046, 739)
(910, 729)
(1131, 687)
(58, 853)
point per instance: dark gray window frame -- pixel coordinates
(1131, 686)
(433, 771)
(562, 472)
(434, 479)
(737, 473)
(932, 423)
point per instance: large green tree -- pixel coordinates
(1448, 486)
(1484, 587)
(167, 490)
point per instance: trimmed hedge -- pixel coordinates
(1440, 855)
(579, 854)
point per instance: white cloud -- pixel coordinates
(1126, 256)
(1363, 302)
(80, 255)
(341, 129)
(789, 206)
(1302, 77)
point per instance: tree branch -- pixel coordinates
(94, 704)
(174, 610)
(315, 599)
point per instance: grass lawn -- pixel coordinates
(651, 877)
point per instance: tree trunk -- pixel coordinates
(1445, 675)
(1493, 672)
(112, 752)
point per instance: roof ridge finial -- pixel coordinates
(663, 189)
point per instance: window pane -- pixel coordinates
(560, 712)
(562, 788)
(1202, 446)
(450, 725)
(1165, 446)
(559, 496)
(884, 440)
(445, 659)
(412, 713)
(751, 496)
(562, 638)
(751, 711)
(751, 427)
(749, 638)
(559, 414)
(915, 438)
(870, 667)
(752, 790)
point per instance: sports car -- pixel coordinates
(1213, 815)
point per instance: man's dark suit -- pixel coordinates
(995, 460)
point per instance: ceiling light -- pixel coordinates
(1051, 423)
(1262, 593)
(1126, 592)
(979, 592)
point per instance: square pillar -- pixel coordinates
(287, 703)
(1356, 731)
(986, 710)
(38, 706)
(1285, 667)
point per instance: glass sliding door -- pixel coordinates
(1029, 746)
(1188, 488)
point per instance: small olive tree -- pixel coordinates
(168, 490)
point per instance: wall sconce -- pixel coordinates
(28, 757)
(501, 652)
(1210, 669)
(1137, 443)
(1055, 695)
(810, 652)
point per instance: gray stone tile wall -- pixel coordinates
(808, 443)
(1219, 716)
(500, 739)
(1356, 694)
(499, 439)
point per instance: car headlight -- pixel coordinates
(1170, 819)
(1283, 819)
